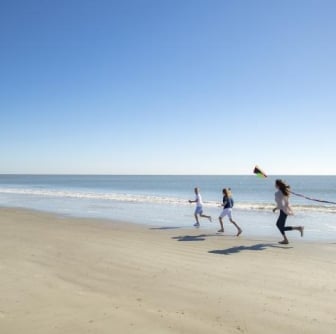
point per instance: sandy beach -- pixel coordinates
(69, 275)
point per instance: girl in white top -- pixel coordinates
(199, 207)
(282, 204)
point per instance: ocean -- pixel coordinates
(162, 201)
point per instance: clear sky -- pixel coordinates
(168, 86)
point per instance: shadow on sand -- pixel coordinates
(200, 237)
(238, 249)
(166, 228)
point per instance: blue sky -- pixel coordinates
(167, 86)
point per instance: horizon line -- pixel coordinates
(148, 174)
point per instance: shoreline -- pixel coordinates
(72, 275)
(272, 235)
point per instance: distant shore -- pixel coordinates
(73, 275)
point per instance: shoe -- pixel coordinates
(221, 230)
(196, 224)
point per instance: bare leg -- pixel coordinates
(204, 216)
(299, 228)
(291, 228)
(197, 221)
(237, 227)
(221, 224)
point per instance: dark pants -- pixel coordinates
(281, 223)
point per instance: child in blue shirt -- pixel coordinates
(228, 203)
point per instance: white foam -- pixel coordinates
(139, 198)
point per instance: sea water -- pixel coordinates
(162, 201)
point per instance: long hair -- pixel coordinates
(227, 192)
(283, 187)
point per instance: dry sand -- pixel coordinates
(67, 275)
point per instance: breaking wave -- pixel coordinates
(153, 199)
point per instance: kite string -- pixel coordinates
(311, 199)
(260, 173)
